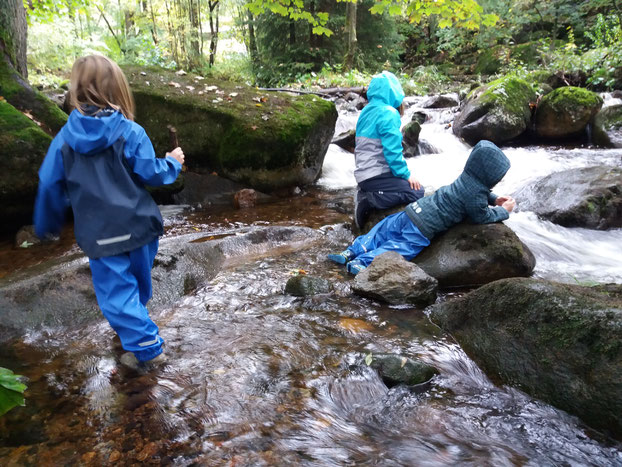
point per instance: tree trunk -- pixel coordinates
(213, 27)
(252, 41)
(13, 37)
(351, 8)
(14, 87)
(195, 45)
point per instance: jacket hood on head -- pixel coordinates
(487, 163)
(87, 134)
(386, 88)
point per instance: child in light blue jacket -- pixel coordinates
(99, 163)
(381, 172)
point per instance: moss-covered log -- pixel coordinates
(265, 140)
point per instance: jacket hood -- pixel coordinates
(88, 134)
(487, 163)
(386, 88)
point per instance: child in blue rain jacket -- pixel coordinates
(469, 197)
(381, 173)
(99, 163)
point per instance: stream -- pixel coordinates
(256, 377)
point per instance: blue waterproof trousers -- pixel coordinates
(394, 233)
(123, 287)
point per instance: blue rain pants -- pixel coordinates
(394, 233)
(123, 287)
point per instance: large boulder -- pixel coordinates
(588, 197)
(566, 112)
(608, 127)
(23, 146)
(499, 111)
(265, 140)
(441, 101)
(560, 343)
(468, 255)
(392, 279)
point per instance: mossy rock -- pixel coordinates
(397, 369)
(15, 90)
(499, 111)
(608, 127)
(566, 112)
(265, 140)
(559, 343)
(23, 146)
(303, 286)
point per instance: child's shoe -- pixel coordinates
(341, 258)
(129, 360)
(354, 267)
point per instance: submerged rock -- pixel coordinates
(346, 140)
(588, 197)
(302, 285)
(392, 279)
(498, 111)
(397, 369)
(560, 343)
(608, 127)
(566, 112)
(23, 146)
(468, 255)
(264, 140)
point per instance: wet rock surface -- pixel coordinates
(392, 279)
(410, 138)
(608, 127)
(468, 255)
(346, 140)
(566, 112)
(588, 197)
(398, 369)
(557, 342)
(441, 101)
(302, 285)
(498, 111)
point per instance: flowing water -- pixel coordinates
(256, 377)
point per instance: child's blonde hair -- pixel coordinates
(97, 80)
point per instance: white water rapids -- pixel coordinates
(562, 254)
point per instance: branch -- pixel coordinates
(110, 27)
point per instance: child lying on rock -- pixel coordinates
(469, 197)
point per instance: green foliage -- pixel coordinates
(11, 391)
(605, 32)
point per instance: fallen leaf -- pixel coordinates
(254, 127)
(174, 84)
(355, 325)
(220, 92)
(147, 83)
(143, 73)
(211, 88)
(257, 99)
(26, 244)
(190, 88)
(368, 359)
(181, 73)
(233, 94)
(404, 360)
(258, 105)
(199, 78)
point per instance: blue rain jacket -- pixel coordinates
(99, 165)
(469, 197)
(378, 137)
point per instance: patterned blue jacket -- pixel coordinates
(469, 197)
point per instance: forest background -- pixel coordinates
(433, 45)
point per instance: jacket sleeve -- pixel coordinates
(51, 202)
(480, 213)
(391, 138)
(492, 198)
(150, 170)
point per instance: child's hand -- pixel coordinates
(414, 183)
(177, 154)
(509, 204)
(502, 199)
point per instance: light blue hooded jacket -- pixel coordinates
(378, 137)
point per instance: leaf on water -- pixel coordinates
(11, 391)
(355, 325)
(369, 358)
(298, 272)
(219, 371)
(404, 360)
